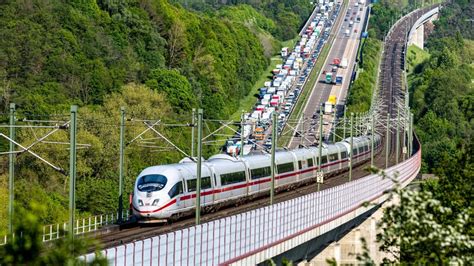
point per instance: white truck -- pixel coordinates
(343, 63)
(327, 107)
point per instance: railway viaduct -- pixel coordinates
(417, 33)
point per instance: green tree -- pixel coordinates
(177, 88)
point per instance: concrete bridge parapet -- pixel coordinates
(416, 34)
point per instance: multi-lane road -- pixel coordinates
(343, 47)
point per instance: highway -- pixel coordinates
(343, 47)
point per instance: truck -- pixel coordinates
(339, 80)
(332, 99)
(343, 63)
(328, 107)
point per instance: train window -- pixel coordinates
(260, 172)
(361, 149)
(300, 165)
(324, 160)
(366, 148)
(285, 167)
(354, 151)
(333, 157)
(205, 183)
(176, 190)
(231, 178)
(310, 162)
(343, 155)
(150, 183)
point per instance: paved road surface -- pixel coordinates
(342, 47)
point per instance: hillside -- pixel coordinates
(55, 54)
(156, 58)
(288, 16)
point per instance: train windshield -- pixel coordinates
(150, 183)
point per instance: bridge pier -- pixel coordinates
(419, 36)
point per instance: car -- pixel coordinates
(355, 30)
(360, 9)
(353, 13)
(345, 19)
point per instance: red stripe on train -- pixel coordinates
(214, 191)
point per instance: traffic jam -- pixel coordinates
(288, 79)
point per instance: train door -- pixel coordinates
(247, 177)
(189, 179)
(207, 197)
(214, 183)
(300, 160)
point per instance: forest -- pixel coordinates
(288, 16)
(436, 221)
(156, 58)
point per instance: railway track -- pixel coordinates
(391, 87)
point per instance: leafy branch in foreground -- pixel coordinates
(418, 229)
(27, 247)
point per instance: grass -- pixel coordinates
(362, 89)
(290, 43)
(313, 78)
(415, 56)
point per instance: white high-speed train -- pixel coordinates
(166, 191)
